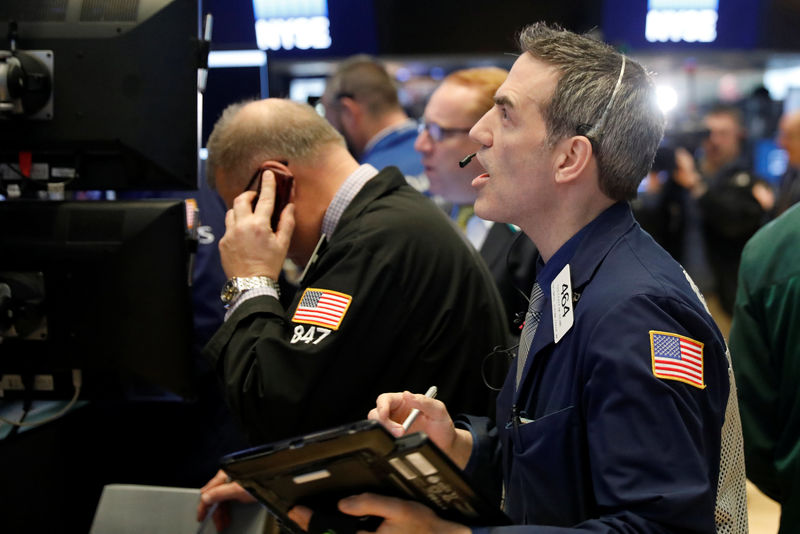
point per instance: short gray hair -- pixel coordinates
(625, 144)
(269, 129)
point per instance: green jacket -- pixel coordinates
(765, 348)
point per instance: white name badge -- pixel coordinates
(561, 298)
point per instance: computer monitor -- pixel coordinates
(100, 94)
(100, 287)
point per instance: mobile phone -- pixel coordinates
(283, 191)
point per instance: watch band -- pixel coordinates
(236, 286)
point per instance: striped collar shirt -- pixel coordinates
(346, 193)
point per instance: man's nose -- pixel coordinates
(480, 132)
(423, 142)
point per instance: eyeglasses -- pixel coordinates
(437, 132)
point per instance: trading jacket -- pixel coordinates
(765, 347)
(417, 307)
(603, 434)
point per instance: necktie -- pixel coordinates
(463, 215)
(532, 318)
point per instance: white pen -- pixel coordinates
(431, 394)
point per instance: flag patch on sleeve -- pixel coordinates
(322, 307)
(677, 357)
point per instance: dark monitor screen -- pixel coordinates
(102, 287)
(109, 97)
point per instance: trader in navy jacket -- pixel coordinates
(622, 416)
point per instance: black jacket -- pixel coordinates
(420, 309)
(511, 258)
(731, 215)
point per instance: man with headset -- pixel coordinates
(621, 413)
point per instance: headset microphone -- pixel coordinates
(464, 162)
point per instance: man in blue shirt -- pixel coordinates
(361, 102)
(620, 414)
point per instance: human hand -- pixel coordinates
(686, 174)
(218, 491)
(764, 195)
(249, 246)
(391, 409)
(399, 515)
(301, 515)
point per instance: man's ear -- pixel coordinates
(275, 165)
(573, 156)
(351, 111)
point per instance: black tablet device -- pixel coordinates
(318, 469)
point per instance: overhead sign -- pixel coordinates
(290, 24)
(691, 21)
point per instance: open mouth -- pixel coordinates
(480, 181)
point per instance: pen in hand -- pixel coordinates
(431, 394)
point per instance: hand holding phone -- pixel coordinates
(284, 181)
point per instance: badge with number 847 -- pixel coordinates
(312, 334)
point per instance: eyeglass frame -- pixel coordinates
(438, 133)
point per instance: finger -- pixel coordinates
(226, 492)
(286, 225)
(394, 428)
(301, 515)
(218, 479)
(243, 205)
(372, 504)
(388, 411)
(266, 198)
(203, 506)
(426, 405)
(230, 220)
(222, 517)
(387, 403)
(202, 510)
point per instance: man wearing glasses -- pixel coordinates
(392, 296)
(443, 141)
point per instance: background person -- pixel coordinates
(733, 202)
(789, 140)
(765, 347)
(361, 102)
(443, 140)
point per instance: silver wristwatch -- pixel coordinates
(234, 287)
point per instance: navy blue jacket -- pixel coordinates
(593, 439)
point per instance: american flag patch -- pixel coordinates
(322, 307)
(677, 358)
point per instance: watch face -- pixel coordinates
(229, 291)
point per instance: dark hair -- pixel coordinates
(364, 79)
